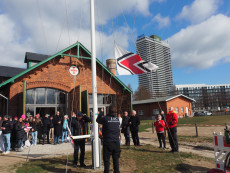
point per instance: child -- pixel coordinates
(65, 129)
(160, 124)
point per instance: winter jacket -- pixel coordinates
(57, 126)
(80, 127)
(159, 126)
(135, 122)
(8, 125)
(171, 119)
(34, 126)
(110, 127)
(125, 124)
(46, 125)
(19, 131)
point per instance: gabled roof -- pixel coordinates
(161, 99)
(35, 57)
(62, 53)
(10, 71)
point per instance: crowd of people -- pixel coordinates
(20, 132)
(24, 131)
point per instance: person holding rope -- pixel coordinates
(134, 122)
(80, 128)
(160, 124)
(171, 124)
(111, 142)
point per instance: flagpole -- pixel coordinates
(94, 88)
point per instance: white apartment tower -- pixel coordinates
(155, 50)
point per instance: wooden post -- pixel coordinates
(196, 130)
(153, 127)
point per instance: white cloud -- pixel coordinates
(202, 45)
(160, 20)
(199, 10)
(41, 26)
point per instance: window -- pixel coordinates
(182, 110)
(156, 112)
(140, 112)
(30, 95)
(40, 95)
(51, 96)
(177, 110)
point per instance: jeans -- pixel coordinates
(34, 137)
(64, 136)
(19, 143)
(56, 139)
(6, 138)
(127, 138)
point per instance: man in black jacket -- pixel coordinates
(111, 144)
(125, 128)
(6, 130)
(80, 128)
(134, 122)
(57, 122)
(45, 128)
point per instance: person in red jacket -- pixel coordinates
(160, 124)
(171, 124)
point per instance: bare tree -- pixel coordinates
(142, 94)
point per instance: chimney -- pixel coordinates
(111, 65)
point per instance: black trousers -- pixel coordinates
(111, 148)
(172, 134)
(161, 138)
(79, 144)
(135, 138)
(46, 134)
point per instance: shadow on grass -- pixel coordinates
(186, 168)
(142, 149)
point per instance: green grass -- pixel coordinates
(139, 160)
(207, 120)
(200, 139)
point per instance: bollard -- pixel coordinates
(196, 130)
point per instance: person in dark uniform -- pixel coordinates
(57, 122)
(134, 122)
(45, 128)
(125, 128)
(80, 129)
(111, 143)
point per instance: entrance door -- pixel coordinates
(45, 110)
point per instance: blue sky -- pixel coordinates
(196, 30)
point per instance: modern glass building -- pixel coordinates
(154, 50)
(208, 97)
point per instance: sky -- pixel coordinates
(198, 32)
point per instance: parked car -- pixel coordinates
(202, 113)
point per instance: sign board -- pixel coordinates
(74, 70)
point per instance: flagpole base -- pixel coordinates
(93, 155)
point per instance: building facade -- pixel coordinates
(47, 85)
(154, 50)
(208, 97)
(149, 109)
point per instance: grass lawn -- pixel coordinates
(207, 120)
(139, 160)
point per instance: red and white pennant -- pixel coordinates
(129, 63)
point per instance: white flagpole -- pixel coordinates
(93, 66)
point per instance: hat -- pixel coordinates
(16, 117)
(23, 116)
(79, 114)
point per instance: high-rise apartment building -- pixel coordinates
(155, 50)
(208, 97)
